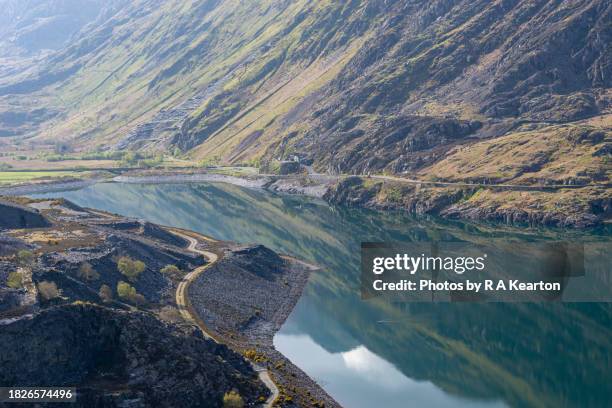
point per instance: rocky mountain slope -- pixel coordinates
(399, 77)
(72, 316)
(117, 357)
(424, 88)
(456, 72)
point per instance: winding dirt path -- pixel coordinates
(190, 315)
(182, 290)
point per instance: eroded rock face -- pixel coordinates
(443, 73)
(257, 259)
(10, 298)
(351, 192)
(117, 349)
(14, 216)
(114, 357)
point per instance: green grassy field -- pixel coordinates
(11, 177)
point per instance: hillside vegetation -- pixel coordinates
(515, 91)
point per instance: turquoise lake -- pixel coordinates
(373, 353)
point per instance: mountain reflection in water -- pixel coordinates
(376, 353)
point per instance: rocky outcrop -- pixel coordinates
(17, 216)
(10, 298)
(71, 316)
(438, 72)
(156, 232)
(351, 192)
(115, 358)
(520, 216)
(557, 208)
(257, 259)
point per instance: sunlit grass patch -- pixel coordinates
(10, 177)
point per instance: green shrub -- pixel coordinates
(394, 194)
(128, 292)
(274, 167)
(210, 161)
(56, 158)
(232, 400)
(131, 158)
(15, 280)
(130, 268)
(110, 155)
(125, 290)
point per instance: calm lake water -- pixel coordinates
(379, 354)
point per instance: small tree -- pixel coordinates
(232, 400)
(128, 292)
(171, 271)
(106, 293)
(48, 290)
(15, 280)
(125, 290)
(87, 272)
(130, 268)
(25, 257)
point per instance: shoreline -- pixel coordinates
(48, 186)
(273, 297)
(62, 237)
(283, 377)
(538, 206)
(273, 183)
(188, 312)
(247, 316)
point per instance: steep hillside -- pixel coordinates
(437, 73)
(356, 86)
(363, 86)
(156, 67)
